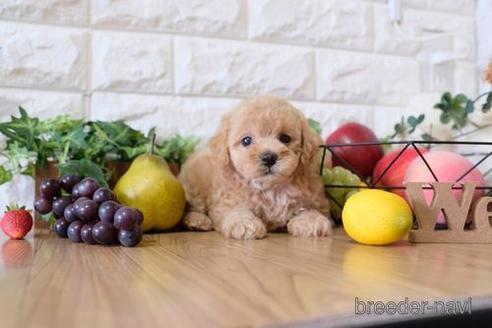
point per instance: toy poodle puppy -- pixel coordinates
(258, 173)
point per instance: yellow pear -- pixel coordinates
(150, 186)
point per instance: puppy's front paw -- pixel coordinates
(241, 227)
(309, 224)
(197, 221)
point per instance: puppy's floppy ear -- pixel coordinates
(218, 143)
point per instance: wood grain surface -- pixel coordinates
(204, 280)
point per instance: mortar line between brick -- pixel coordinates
(173, 65)
(246, 40)
(45, 24)
(45, 89)
(427, 8)
(315, 73)
(245, 23)
(88, 95)
(373, 54)
(364, 106)
(271, 43)
(237, 97)
(238, 40)
(190, 95)
(355, 106)
(218, 38)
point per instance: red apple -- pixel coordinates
(396, 173)
(361, 158)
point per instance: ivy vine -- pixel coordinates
(455, 111)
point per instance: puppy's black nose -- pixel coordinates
(268, 158)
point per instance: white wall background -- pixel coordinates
(484, 36)
(179, 64)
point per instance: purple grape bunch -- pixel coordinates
(86, 212)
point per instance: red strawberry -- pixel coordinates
(17, 222)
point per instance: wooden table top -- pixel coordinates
(202, 279)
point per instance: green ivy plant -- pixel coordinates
(455, 111)
(407, 125)
(79, 146)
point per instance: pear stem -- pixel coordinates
(152, 145)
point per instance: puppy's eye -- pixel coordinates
(284, 138)
(246, 141)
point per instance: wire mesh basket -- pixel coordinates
(476, 151)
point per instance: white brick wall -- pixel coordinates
(162, 62)
(484, 35)
(215, 18)
(132, 62)
(335, 23)
(165, 62)
(39, 56)
(220, 67)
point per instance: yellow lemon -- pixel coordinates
(376, 217)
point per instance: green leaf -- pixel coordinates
(315, 126)
(61, 125)
(132, 152)
(469, 108)
(118, 133)
(488, 103)
(86, 168)
(177, 149)
(399, 128)
(22, 130)
(415, 121)
(5, 175)
(50, 218)
(455, 110)
(441, 106)
(21, 160)
(43, 138)
(385, 145)
(29, 170)
(68, 141)
(427, 137)
(447, 100)
(460, 98)
(445, 118)
(114, 138)
(76, 139)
